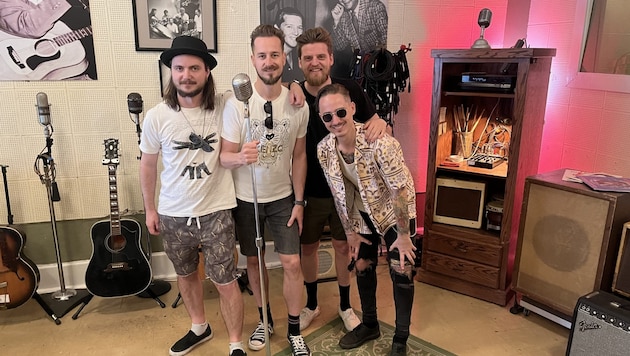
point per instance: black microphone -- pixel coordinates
(43, 112)
(134, 103)
(242, 87)
(485, 15)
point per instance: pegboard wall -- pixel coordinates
(86, 112)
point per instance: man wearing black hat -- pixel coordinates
(196, 194)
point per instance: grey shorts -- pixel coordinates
(275, 216)
(213, 233)
(318, 213)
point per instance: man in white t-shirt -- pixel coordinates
(278, 159)
(196, 192)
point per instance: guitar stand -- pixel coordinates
(57, 308)
(155, 289)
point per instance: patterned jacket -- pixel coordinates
(381, 168)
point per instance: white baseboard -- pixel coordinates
(74, 273)
(162, 268)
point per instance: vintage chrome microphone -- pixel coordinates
(242, 86)
(485, 16)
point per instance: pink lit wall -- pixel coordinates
(585, 129)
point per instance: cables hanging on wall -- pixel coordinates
(382, 75)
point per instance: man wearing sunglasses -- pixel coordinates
(277, 155)
(315, 50)
(375, 198)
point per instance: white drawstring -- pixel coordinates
(189, 222)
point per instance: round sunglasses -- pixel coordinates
(328, 116)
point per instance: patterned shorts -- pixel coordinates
(212, 233)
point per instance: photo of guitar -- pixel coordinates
(57, 55)
(118, 266)
(19, 276)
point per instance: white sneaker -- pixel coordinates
(306, 317)
(350, 319)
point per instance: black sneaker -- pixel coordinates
(298, 346)
(257, 339)
(189, 342)
(398, 349)
(238, 352)
(359, 336)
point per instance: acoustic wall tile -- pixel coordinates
(16, 158)
(583, 127)
(29, 201)
(587, 98)
(615, 133)
(578, 157)
(95, 196)
(94, 111)
(426, 22)
(119, 15)
(616, 163)
(618, 102)
(130, 194)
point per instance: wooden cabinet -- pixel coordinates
(507, 89)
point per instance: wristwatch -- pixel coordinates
(293, 81)
(299, 202)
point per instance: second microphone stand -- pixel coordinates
(157, 287)
(59, 303)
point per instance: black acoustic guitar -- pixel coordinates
(118, 266)
(19, 276)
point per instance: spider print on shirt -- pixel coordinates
(196, 142)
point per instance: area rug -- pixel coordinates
(325, 342)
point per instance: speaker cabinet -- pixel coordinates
(568, 241)
(621, 283)
(601, 326)
(326, 255)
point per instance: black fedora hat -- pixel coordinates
(188, 45)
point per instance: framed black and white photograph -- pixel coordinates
(165, 76)
(32, 50)
(157, 22)
(354, 25)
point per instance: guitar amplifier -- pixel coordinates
(601, 325)
(621, 281)
(326, 255)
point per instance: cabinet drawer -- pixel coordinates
(465, 270)
(482, 253)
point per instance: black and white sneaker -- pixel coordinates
(257, 339)
(189, 342)
(238, 352)
(298, 346)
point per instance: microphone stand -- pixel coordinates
(139, 133)
(157, 287)
(64, 299)
(259, 240)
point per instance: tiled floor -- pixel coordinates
(138, 326)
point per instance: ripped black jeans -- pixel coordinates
(402, 280)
